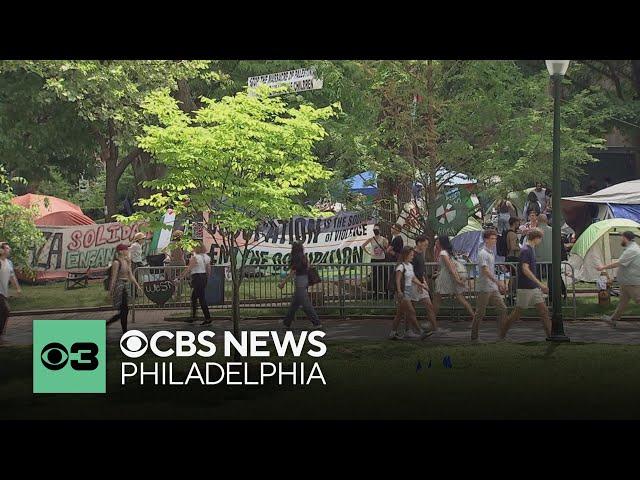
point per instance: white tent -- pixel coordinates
(625, 193)
(598, 245)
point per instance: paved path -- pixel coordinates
(19, 329)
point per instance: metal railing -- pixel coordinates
(344, 288)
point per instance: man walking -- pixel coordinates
(530, 288)
(6, 273)
(490, 289)
(628, 274)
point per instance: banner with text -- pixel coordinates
(79, 247)
(335, 239)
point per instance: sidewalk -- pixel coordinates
(19, 329)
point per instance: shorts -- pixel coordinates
(418, 294)
(528, 297)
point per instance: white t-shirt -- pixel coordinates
(379, 246)
(6, 271)
(407, 268)
(202, 260)
(135, 251)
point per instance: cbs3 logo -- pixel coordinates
(55, 356)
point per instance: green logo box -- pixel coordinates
(69, 356)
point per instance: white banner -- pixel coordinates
(80, 247)
(299, 80)
(335, 239)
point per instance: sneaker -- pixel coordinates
(393, 335)
(318, 327)
(609, 319)
(283, 324)
(426, 334)
(206, 322)
(410, 334)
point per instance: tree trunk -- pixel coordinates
(111, 189)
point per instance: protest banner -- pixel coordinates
(79, 247)
(334, 239)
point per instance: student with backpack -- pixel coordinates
(450, 281)
(406, 284)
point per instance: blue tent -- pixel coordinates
(630, 212)
(364, 183)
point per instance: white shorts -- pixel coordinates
(418, 294)
(528, 297)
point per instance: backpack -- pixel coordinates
(501, 245)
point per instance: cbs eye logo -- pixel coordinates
(55, 356)
(69, 356)
(134, 344)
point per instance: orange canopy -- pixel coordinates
(53, 211)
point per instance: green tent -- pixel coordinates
(598, 245)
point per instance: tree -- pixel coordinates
(106, 97)
(488, 120)
(243, 159)
(17, 225)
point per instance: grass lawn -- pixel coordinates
(53, 295)
(367, 380)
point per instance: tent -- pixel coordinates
(53, 211)
(598, 245)
(364, 183)
(617, 201)
(468, 240)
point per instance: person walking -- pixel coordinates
(378, 255)
(406, 283)
(421, 295)
(121, 277)
(530, 288)
(200, 269)
(448, 282)
(299, 269)
(7, 273)
(490, 289)
(628, 275)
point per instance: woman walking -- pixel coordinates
(407, 284)
(200, 268)
(449, 281)
(378, 255)
(121, 278)
(299, 268)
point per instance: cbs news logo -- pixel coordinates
(69, 356)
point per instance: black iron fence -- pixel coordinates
(344, 290)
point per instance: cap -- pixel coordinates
(139, 235)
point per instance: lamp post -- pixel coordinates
(557, 69)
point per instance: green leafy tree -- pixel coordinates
(243, 159)
(489, 120)
(104, 97)
(17, 225)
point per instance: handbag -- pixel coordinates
(314, 277)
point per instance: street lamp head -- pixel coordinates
(557, 67)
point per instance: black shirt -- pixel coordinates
(397, 244)
(419, 267)
(527, 255)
